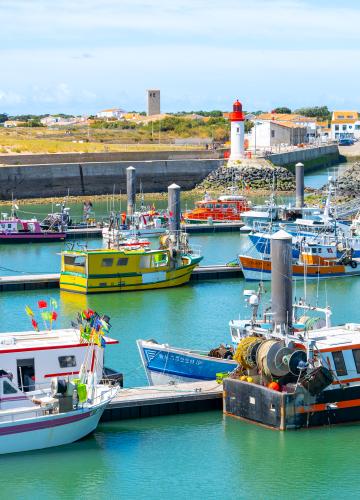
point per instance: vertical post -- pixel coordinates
(299, 175)
(131, 189)
(281, 278)
(174, 207)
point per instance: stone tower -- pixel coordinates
(153, 102)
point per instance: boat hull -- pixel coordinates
(164, 364)
(119, 283)
(260, 270)
(31, 238)
(48, 431)
(290, 411)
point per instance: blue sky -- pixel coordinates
(79, 56)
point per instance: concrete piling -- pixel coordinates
(299, 175)
(174, 207)
(281, 279)
(131, 189)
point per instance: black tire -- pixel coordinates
(353, 264)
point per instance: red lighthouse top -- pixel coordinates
(237, 114)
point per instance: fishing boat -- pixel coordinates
(126, 269)
(226, 208)
(147, 223)
(52, 385)
(289, 379)
(316, 261)
(15, 230)
(165, 364)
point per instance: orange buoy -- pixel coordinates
(274, 386)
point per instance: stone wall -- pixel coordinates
(46, 180)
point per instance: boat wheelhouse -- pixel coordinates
(224, 209)
(34, 358)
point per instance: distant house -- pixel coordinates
(268, 133)
(59, 121)
(345, 124)
(14, 123)
(114, 113)
(291, 118)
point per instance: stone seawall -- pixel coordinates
(312, 157)
(46, 180)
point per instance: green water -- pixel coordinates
(201, 455)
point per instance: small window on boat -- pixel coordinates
(356, 354)
(107, 262)
(67, 361)
(339, 363)
(71, 260)
(9, 226)
(218, 205)
(319, 250)
(122, 261)
(8, 388)
(209, 205)
(225, 205)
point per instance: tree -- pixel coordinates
(3, 117)
(315, 112)
(248, 126)
(282, 110)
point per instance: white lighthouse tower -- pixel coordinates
(237, 119)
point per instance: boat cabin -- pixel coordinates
(33, 358)
(19, 226)
(315, 254)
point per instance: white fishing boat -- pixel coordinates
(56, 408)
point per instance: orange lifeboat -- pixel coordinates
(224, 209)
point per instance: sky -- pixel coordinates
(81, 56)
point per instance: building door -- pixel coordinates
(26, 374)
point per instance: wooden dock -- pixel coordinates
(218, 227)
(92, 232)
(44, 281)
(155, 401)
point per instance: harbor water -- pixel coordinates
(198, 455)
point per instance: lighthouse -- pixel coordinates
(237, 131)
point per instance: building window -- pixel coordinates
(67, 361)
(107, 262)
(357, 127)
(356, 354)
(350, 126)
(344, 127)
(339, 363)
(273, 133)
(122, 261)
(238, 129)
(336, 127)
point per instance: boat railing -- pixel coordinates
(195, 250)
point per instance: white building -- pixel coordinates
(266, 134)
(114, 113)
(345, 124)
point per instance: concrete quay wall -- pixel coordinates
(311, 157)
(46, 180)
(45, 158)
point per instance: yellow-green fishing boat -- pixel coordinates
(120, 270)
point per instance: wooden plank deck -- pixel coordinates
(154, 401)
